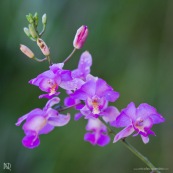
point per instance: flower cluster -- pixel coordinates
(88, 94)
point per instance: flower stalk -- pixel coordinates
(67, 59)
(133, 149)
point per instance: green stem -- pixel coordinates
(40, 60)
(49, 60)
(133, 150)
(140, 156)
(43, 30)
(69, 55)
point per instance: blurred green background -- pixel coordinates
(131, 42)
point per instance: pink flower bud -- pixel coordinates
(44, 48)
(26, 51)
(80, 37)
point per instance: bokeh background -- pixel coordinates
(132, 47)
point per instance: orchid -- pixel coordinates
(97, 134)
(87, 94)
(96, 94)
(50, 80)
(41, 121)
(138, 120)
(82, 71)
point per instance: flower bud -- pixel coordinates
(80, 37)
(26, 51)
(35, 19)
(32, 31)
(44, 19)
(26, 30)
(29, 17)
(44, 48)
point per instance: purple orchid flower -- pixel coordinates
(40, 121)
(96, 94)
(139, 119)
(98, 133)
(81, 72)
(50, 80)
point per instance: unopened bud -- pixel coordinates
(32, 31)
(80, 37)
(44, 19)
(35, 19)
(26, 30)
(44, 48)
(29, 17)
(26, 51)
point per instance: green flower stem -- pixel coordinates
(40, 60)
(69, 55)
(49, 60)
(133, 150)
(43, 30)
(140, 156)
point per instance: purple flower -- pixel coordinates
(81, 72)
(96, 94)
(50, 80)
(138, 120)
(98, 133)
(40, 121)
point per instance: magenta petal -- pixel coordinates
(90, 138)
(79, 106)
(29, 115)
(68, 101)
(21, 119)
(110, 113)
(102, 87)
(145, 139)
(130, 111)
(84, 65)
(85, 111)
(112, 96)
(36, 123)
(122, 120)
(31, 140)
(89, 88)
(72, 84)
(150, 132)
(79, 95)
(103, 140)
(77, 116)
(56, 67)
(85, 61)
(46, 129)
(45, 84)
(145, 109)
(157, 118)
(52, 102)
(66, 75)
(123, 133)
(59, 120)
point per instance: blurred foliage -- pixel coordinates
(132, 47)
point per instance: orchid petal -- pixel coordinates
(103, 140)
(124, 133)
(60, 120)
(110, 114)
(31, 140)
(52, 102)
(145, 139)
